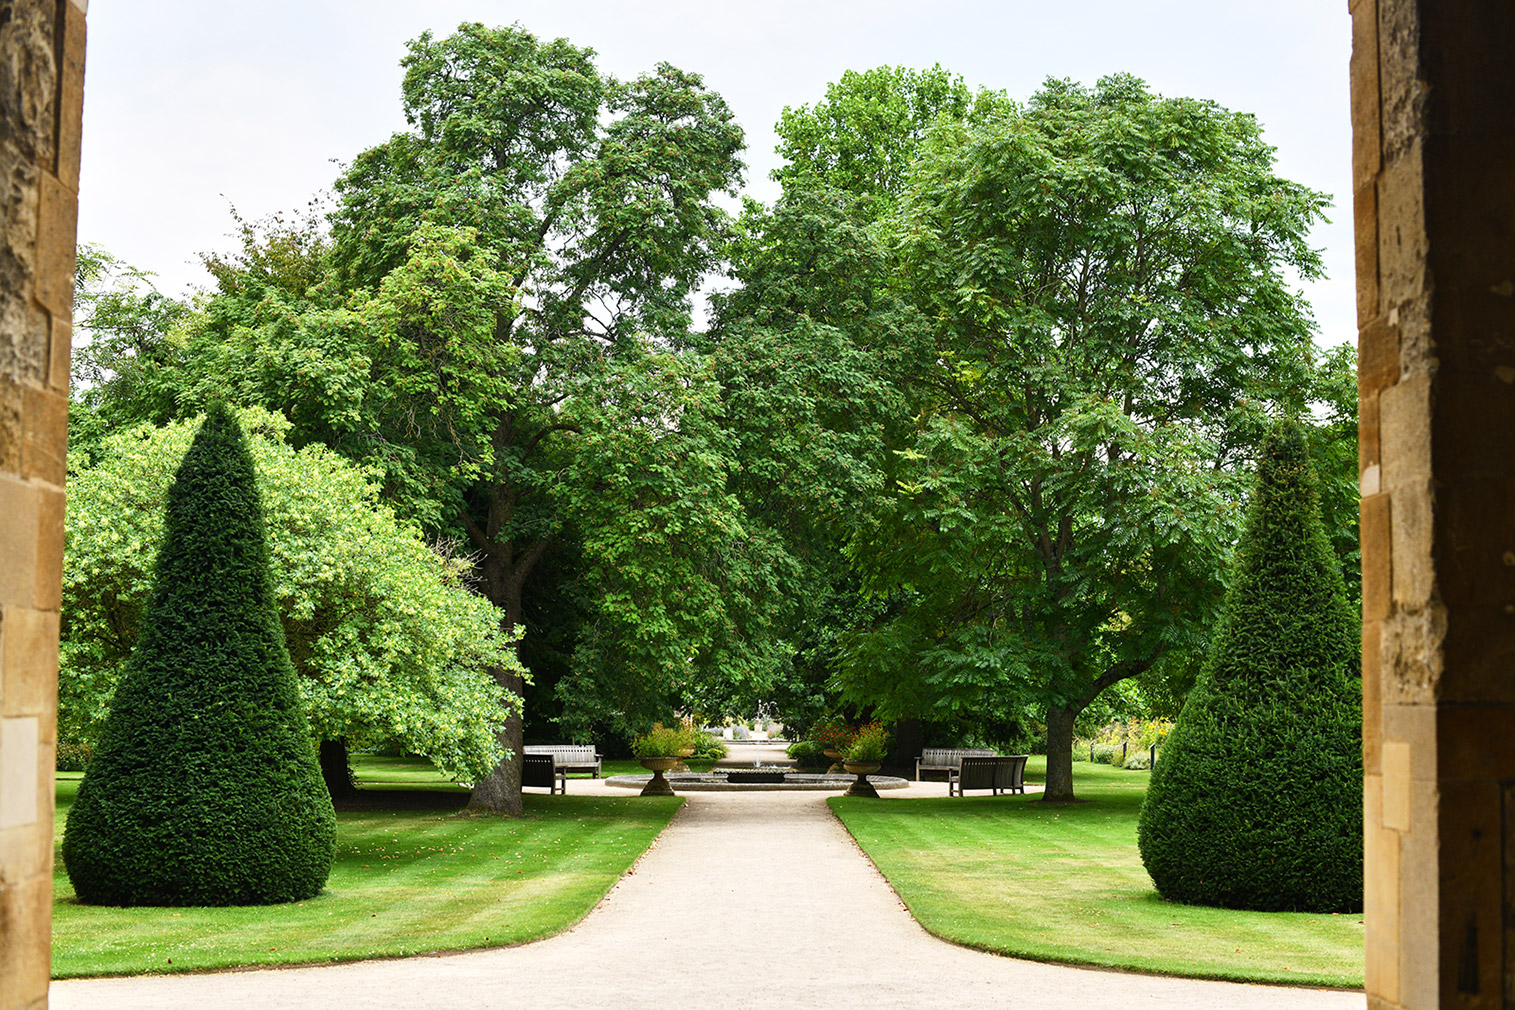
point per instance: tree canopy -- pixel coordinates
(390, 645)
(1105, 279)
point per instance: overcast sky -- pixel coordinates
(192, 107)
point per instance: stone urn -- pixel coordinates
(659, 785)
(862, 769)
(681, 766)
(836, 761)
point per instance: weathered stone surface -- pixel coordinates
(39, 158)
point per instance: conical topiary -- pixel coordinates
(204, 789)
(1256, 800)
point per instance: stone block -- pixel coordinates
(18, 542)
(1413, 657)
(1368, 451)
(45, 442)
(71, 96)
(1365, 220)
(1395, 785)
(57, 230)
(1366, 156)
(1404, 434)
(1415, 727)
(1411, 535)
(1377, 356)
(1381, 908)
(20, 747)
(12, 431)
(1402, 89)
(1372, 694)
(28, 660)
(48, 585)
(1377, 569)
(25, 956)
(1402, 241)
(25, 852)
(60, 345)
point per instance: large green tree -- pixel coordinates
(390, 646)
(494, 323)
(1106, 276)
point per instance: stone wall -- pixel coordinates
(41, 98)
(1433, 112)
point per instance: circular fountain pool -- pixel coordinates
(754, 778)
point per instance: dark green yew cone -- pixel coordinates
(1256, 800)
(205, 788)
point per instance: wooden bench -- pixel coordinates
(996, 773)
(543, 770)
(571, 757)
(946, 759)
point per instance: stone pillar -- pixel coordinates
(41, 98)
(1433, 116)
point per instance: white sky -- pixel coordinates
(193, 106)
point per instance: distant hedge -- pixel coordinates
(204, 788)
(1256, 801)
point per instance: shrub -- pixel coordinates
(832, 734)
(1107, 754)
(708, 747)
(72, 755)
(870, 744)
(1256, 798)
(662, 742)
(808, 754)
(204, 787)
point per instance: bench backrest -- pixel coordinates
(566, 753)
(537, 770)
(950, 757)
(979, 772)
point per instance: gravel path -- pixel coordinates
(746, 897)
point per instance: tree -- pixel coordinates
(1256, 802)
(863, 137)
(389, 645)
(504, 281)
(1105, 276)
(205, 788)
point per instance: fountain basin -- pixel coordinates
(719, 781)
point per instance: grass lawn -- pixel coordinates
(405, 881)
(1065, 883)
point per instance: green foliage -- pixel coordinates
(1108, 279)
(870, 743)
(1256, 798)
(863, 137)
(708, 747)
(72, 755)
(1332, 435)
(389, 644)
(205, 788)
(663, 742)
(808, 754)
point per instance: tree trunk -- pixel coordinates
(1059, 755)
(500, 792)
(336, 770)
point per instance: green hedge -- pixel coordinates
(204, 788)
(1256, 801)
